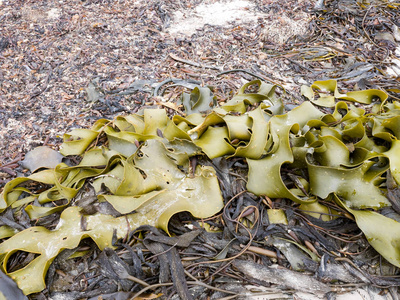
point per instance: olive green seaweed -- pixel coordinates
(141, 165)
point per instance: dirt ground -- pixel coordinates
(65, 64)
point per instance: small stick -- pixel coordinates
(192, 63)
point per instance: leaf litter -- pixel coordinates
(341, 128)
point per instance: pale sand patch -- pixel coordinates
(277, 29)
(218, 14)
(283, 27)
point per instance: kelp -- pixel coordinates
(142, 165)
(328, 94)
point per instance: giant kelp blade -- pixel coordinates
(214, 142)
(76, 142)
(128, 204)
(259, 142)
(199, 195)
(6, 196)
(381, 232)
(48, 244)
(200, 100)
(238, 127)
(153, 200)
(394, 156)
(328, 92)
(242, 100)
(350, 184)
(265, 173)
(145, 168)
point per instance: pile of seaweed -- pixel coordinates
(211, 201)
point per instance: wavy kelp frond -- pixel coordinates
(142, 165)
